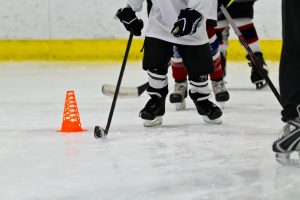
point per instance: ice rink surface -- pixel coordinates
(184, 159)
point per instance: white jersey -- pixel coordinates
(212, 10)
(164, 13)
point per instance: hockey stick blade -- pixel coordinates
(109, 90)
(99, 133)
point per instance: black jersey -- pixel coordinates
(149, 6)
(238, 9)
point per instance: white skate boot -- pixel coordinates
(220, 91)
(179, 95)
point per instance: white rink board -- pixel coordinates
(88, 19)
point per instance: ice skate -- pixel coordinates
(179, 95)
(287, 146)
(153, 111)
(220, 91)
(210, 112)
(255, 77)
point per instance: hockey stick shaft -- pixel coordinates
(258, 65)
(113, 105)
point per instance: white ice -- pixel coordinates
(184, 159)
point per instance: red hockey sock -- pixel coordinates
(219, 73)
(179, 72)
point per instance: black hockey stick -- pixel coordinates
(109, 90)
(257, 64)
(98, 131)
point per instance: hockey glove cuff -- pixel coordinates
(187, 23)
(130, 21)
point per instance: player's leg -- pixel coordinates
(217, 78)
(199, 64)
(179, 74)
(157, 54)
(289, 138)
(247, 28)
(222, 32)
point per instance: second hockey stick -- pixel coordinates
(109, 90)
(257, 64)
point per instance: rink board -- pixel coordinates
(104, 50)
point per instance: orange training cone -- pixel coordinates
(71, 119)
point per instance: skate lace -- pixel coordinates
(180, 88)
(286, 130)
(282, 133)
(219, 86)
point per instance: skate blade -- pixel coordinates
(212, 121)
(180, 106)
(152, 123)
(289, 159)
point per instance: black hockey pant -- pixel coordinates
(289, 72)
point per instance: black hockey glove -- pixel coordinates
(187, 22)
(130, 21)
